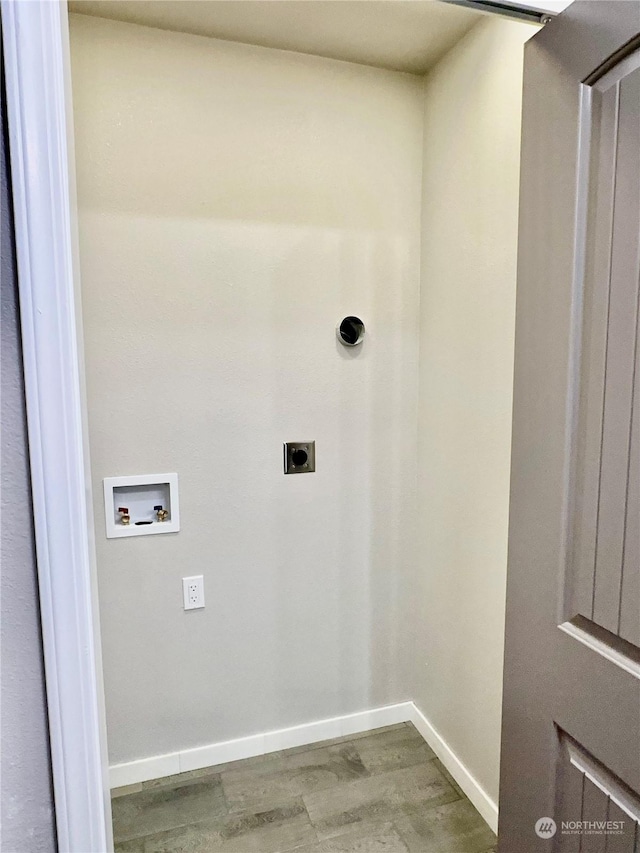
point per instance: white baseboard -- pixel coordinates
(157, 766)
(210, 755)
(465, 779)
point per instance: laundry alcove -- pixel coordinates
(248, 177)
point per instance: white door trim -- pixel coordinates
(36, 57)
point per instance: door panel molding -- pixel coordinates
(595, 776)
(603, 642)
(599, 513)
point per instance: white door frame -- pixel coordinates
(36, 58)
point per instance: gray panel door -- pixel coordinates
(571, 710)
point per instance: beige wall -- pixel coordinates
(469, 228)
(235, 203)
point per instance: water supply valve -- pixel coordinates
(161, 514)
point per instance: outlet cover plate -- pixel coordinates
(193, 592)
(299, 457)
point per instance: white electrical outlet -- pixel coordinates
(193, 592)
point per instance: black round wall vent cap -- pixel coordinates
(351, 331)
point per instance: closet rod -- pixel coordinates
(534, 16)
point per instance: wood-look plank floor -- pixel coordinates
(380, 792)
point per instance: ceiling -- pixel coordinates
(403, 35)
